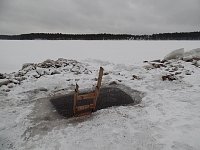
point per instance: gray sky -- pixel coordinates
(99, 16)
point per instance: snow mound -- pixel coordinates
(176, 54)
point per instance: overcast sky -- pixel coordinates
(99, 16)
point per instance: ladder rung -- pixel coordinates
(84, 107)
(86, 96)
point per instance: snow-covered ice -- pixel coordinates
(168, 116)
(15, 53)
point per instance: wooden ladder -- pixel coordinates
(85, 104)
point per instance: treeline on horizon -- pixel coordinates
(103, 36)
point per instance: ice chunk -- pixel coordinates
(40, 71)
(176, 54)
(192, 54)
(198, 63)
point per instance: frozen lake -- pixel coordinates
(15, 53)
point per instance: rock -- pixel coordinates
(169, 77)
(27, 65)
(43, 89)
(158, 61)
(55, 72)
(198, 63)
(36, 76)
(40, 71)
(2, 76)
(57, 65)
(4, 88)
(15, 81)
(20, 74)
(176, 73)
(157, 65)
(149, 67)
(187, 72)
(20, 78)
(11, 85)
(3, 93)
(176, 54)
(7, 90)
(106, 73)
(4, 82)
(180, 66)
(113, 83)
(47, 64)
(47, 72)
(173, 69)
(135, 77)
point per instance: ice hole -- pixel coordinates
(113, 95)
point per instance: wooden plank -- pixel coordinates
(75, 98)
(76, 88)
(84, 107)
(86, 96)
(97, 90)
(100, 78)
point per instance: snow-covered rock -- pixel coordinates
(20, 78)
(11, 85)
(5, 88)
(176, 54)
(15, 81)
(55, 72)
(27, 65)
(40, 71)
(47, 64)
(198, 63)
(2, 76)
(4, 82)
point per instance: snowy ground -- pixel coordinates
(167, 118)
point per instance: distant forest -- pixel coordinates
(103, 36)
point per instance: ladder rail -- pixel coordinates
(97, 89)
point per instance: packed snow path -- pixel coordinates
(167, 118)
